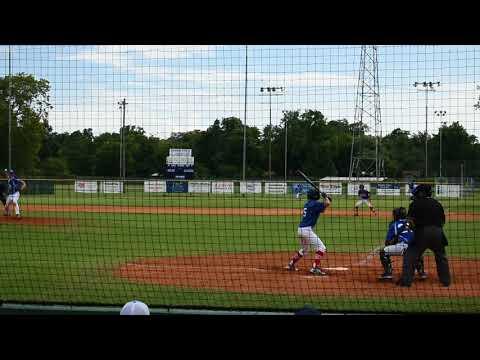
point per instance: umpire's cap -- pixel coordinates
(313, 194)
(422, 190)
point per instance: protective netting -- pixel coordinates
(168, 173)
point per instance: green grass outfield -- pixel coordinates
(66, 263)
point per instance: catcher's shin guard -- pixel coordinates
(386, 262)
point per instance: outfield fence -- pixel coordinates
(167, 174)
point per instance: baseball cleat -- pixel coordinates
(385, 276)
(291, 268)
(422, 276)
(317, 272)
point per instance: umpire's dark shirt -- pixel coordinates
(426, 212)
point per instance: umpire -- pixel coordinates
(429, 217)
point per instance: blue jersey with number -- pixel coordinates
(14, 185)
(399, 228)
(311, 211)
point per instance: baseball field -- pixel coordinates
(221, 251)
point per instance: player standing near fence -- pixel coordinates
(364, 198)
(15, 185)
(311, 211)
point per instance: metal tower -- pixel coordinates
(365, 155)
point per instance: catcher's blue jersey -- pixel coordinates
(14, 185)
(399, 228)
(311, 211)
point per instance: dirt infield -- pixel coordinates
(219, 211)
(33, 220)
(264, 273)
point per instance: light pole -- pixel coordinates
(122, 105)
(271, 91)
(245, 114)
(440, 113)
(427, 86)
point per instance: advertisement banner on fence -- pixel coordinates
(250, 187)
(448, 190)
(331, 188)
(301, 188)
(223, 187)
(275, 188)
(177, 186)
(86, 186)
(388, 189)
(155, 186)
(199, 186)
(111, 187)
(354, 187)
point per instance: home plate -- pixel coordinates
(340, 268)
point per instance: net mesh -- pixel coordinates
(111, 212)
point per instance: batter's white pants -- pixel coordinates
(395, 250)
(308, 239)
(363, 201)
(14, 198)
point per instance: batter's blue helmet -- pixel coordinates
(313, 194)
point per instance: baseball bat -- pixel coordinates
(305, 177)
(370, 255)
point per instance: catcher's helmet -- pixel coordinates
(313, 194)
(361, 187)
(399, 213)
(422, 191)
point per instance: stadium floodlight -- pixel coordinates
(271, 90)
(440, 113)
(426, 86)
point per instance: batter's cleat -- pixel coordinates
(385, 276)
(291, 268)
(317, 272)
(422, 276)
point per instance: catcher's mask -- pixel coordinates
(362, 187)
(399, 213)
(313, 194)
(422, 191)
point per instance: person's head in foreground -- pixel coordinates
(135, 307)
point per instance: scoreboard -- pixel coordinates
(180, 164)
(180, 171)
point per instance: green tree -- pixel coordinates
(29, 112)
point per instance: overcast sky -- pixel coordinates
(181, 88)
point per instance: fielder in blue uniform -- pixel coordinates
(364, 198)
(15, 185)
(399, 236)
(311, 211)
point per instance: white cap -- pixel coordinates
(135, 307)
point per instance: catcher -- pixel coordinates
(400, 234)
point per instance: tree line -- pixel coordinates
(319, 146)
